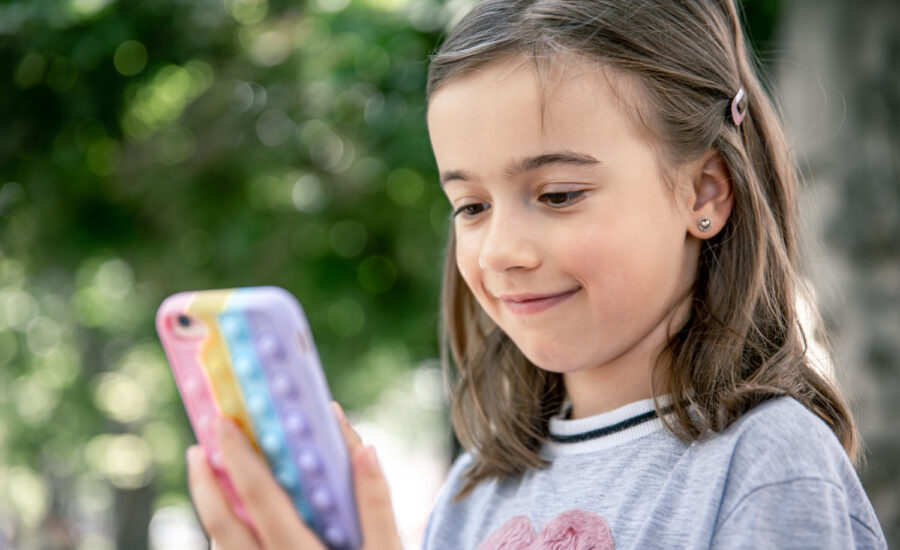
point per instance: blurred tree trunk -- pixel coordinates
(838, 77)
(132, 517)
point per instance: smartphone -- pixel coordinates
(248, 354)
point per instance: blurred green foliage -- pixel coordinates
(154, 147)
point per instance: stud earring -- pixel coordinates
(704, 223)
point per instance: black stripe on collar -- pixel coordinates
(607, 430)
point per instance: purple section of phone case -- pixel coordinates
(295, 376)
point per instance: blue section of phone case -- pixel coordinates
(259, 404)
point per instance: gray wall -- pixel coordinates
(837, 73)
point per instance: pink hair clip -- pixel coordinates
(739, 107)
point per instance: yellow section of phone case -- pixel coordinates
(215, 360)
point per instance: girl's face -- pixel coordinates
(562, 199)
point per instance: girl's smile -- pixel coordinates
(534, 303)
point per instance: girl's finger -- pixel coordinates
(373, 498)
(269, 506)
(215, 514)
(351, 438)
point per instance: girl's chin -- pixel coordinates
(553, 363)
(558, 369)
(551, 355)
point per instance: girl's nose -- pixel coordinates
(508, 243)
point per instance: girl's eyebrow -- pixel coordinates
(529, 164)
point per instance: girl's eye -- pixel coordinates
(558, 199)
(563, 198)
(470, 210)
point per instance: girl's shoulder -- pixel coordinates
(453, 482)
(441, 513)
(777, 441)
(780, 438)
(781, 453)
(781, 412)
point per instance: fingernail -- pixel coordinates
(370, 460)
(338, 411)
(194, 454)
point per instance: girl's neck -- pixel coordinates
(626, 378)
(604, 389)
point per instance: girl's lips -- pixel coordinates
(524, 304)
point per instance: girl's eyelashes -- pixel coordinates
(558, 199)
(568, 198)
(467, 210)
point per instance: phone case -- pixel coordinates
(255, 361)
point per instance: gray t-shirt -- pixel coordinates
(776, 478)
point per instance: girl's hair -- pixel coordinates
(743, 342)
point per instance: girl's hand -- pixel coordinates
(277, 523)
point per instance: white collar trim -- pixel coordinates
(561, 427)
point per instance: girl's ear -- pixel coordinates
(710, 196)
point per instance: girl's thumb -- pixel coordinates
(369, 461)
(373, 499)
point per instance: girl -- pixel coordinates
(620, 298)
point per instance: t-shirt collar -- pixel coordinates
(602, 430)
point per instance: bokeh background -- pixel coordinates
(152, 147)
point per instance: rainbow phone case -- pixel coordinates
(254, 361)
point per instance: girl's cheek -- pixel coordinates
(470, 284)
(465, 255)
(467, 265)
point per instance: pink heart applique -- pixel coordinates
(570, 530)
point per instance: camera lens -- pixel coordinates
(184, 321)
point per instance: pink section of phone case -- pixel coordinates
(184, 359)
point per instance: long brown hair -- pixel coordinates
(743, 342)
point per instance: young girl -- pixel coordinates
(620, 298)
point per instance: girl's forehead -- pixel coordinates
(518, 101)
(546, 78)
